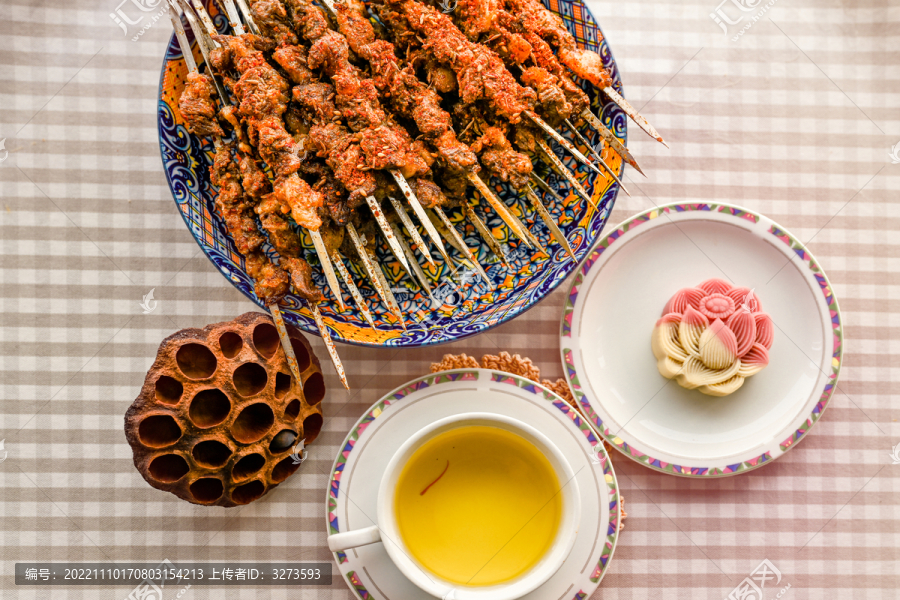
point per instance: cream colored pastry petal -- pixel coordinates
(724, 388)
(749, 370)
(692, 325)
(695, 373)
(665, 342)
(669, 368)
(718, 346)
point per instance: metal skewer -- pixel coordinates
(388, 233)
(420, 212)
(610, 138)
(316, 237)
(233, 17)
(465, 249)
(547, 188)
(562, 141)
(338, 261)
(383, 291)
(599, 158)
(417, 269)
(562, 170)
(486, 235)
(515, 225)
(379, 274)
(285, 341)
(634, 114)
(412, 231)
(329, 344)
(317, 240)
(555, 231)
(327, 267)
(248, 16)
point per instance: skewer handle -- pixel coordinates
(285, 341)
(329, 344)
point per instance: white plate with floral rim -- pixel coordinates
(371, 443)
(619, 294)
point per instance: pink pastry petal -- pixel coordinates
(673, 317)
(682, 299)
(694, 296)
(758, 355)
(694, 318)
(742, 295)
(716, 306)
(743, 325)
(765, 330)
(715, 286)
(692, 326)
(677, 303)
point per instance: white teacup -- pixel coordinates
(388, 531)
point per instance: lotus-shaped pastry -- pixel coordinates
(712, 337)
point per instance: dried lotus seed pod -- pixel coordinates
(219, 414)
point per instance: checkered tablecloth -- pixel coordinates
(791, 111)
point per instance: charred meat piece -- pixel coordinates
(345, 158)
(407, 94)
(309, 21)
(198, 107)
(480, 72)
(254, 180)
(293, 59)
(301, 279)
(273, 21)
(498, 156)
(336, 204)
(548, 26)
(388, 147)
(428, 192)
(273, 214)
(272, 282)
(317, 100)
(552, 100)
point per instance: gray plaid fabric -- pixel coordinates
(788, 108)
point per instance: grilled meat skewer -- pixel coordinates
(270, 279)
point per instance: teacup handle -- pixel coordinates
(352, 539)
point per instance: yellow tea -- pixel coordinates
(478, 505)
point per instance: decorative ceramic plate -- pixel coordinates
(465, 305)
(618, 296)
(382, 430)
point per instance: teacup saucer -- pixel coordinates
(375, 438)
(616, 299)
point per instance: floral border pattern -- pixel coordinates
(682, 470)
(377, 410)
